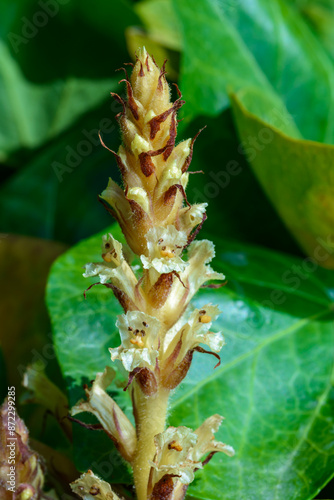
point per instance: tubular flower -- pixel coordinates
(206, 440)
(180, 348)
(116, 273)
(173, 447)
(178, 454)
(139, 334)
(158, 335)
(164, 248)
(111, 417)
(198, 272)
(196, 331)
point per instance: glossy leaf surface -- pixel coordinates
(272, 388)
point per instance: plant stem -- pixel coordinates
(151, 414)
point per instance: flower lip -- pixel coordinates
(173, 447)
(140, 339)
(111, 250)
(164, 247)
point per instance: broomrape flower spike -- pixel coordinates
(159, 336)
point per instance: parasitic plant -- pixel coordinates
(159, 329)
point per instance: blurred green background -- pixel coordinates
(258, 73)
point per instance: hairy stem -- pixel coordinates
(151, 414)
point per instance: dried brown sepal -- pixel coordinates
(133, 220)
(132, 376)
(190, 156)
(170, 361)
(119, 161)
(171, 193)
(146, 164)
(141, 71)
(118, 98)
(172, 136)
(159, 292)
(131, 101)
(163, 489)
(209, 457)
(200, 349)
(156, 121)
(193, 235)
(123, 298)
(173, 378)
(147, 381)
(90, 427)
(162, 74)
(214, 285)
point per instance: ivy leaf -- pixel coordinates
(32, 114)
(161, 22)
(46, 86)
(276, 395)
(274, 386)
(278, 76)
(296, 176)
(257, 45)
(74, 167)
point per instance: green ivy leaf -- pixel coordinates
(320, 16)
(32, 114)
(262, 45)
(296, 176)
(161, 22)
(46, 86)
(62, 181)
(274, 385)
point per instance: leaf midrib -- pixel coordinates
(321, 402)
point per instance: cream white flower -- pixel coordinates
(198, 272)
(131, 216)
(200, 253)
(206, 440)
(112, 250)
(179, 451)
(173, 447)
(164, 247)
(114, 268)
(109, 414)
(140, 339)
(91, 487)
(189, 218)
(195, 332)
(198, 326)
